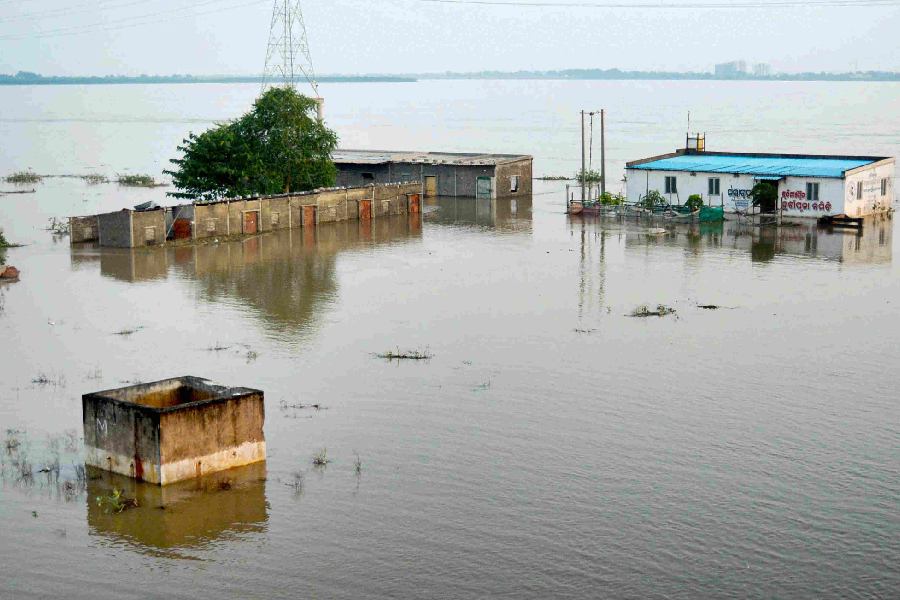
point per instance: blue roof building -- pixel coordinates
(807, 185)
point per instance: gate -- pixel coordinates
(309, 215)
(365, 210)
(251, 222)
(181, 229)
(412, 206)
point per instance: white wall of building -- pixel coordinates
(735, 191)
(872, 200)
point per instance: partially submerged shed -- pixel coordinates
(441, 173)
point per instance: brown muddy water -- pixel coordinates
(552, 447)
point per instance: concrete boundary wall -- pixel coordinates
(245, 216)
(228, 217)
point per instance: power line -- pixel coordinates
(660, 6)
(134, 21)
(69, 10)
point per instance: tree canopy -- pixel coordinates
(279, 146)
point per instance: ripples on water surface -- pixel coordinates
(553, 447)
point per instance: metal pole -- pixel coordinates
(582, 157)
(602, 151)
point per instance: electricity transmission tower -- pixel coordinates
(287, 57)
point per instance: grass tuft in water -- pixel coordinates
(141, 180)
(644, 311)
(320, 458)
(406, 354)
(27, 176)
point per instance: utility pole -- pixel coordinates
(602, 151)
(583, 172)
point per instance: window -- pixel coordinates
(884, 186)
(671, 185)
(274, 218)
(812, 192)
(210, 225)
(859, 190)
(514, 183)
(368, 176)
(714, 186)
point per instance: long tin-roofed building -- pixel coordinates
(441, 173)
(807, 185)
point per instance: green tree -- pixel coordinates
(279, 146)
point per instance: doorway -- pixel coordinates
(765, 196)
(430, 186)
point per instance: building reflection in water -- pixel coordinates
(175, 519)
(799, 239)
(504, 214)
(286, 275)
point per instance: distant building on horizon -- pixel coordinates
(731, 69)
(762, 69)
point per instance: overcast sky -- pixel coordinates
(58, 37)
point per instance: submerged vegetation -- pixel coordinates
(320, 458)
(24, 177)
(406, 354)
(136, 180)
(645, 311)
(94, 178)
(115, 501)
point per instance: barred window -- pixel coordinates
(671, 185)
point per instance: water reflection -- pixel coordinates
(505, 214)
(182, 516)
(760, 243)
(286, 275)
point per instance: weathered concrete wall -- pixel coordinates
(212, 436)
(115, 229)
(210, 220)
(148, 227)
(83, 229)
(173, 429)
(227, 218)
(521, 171)
(121, 438)
(451, 180)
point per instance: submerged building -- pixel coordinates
(441, 173)
(807, 185)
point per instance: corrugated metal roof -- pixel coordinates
(758, 164)
(378, 157)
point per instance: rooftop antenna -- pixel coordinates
(288, 60)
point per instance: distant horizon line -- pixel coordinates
(31, 78)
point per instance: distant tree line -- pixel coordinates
(29, 78)
(613, 74)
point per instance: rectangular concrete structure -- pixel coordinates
(174, 429)
(469, 175)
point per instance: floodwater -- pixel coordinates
(552, 447)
